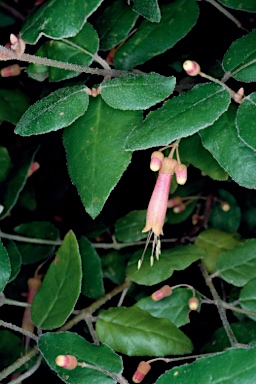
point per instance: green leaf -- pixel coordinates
(247, 298)
(148, 9)
(50, 19)
(245, 120)
(32, 253)
(240, 60)
(15, 181)
(74, 50)
(174, 308)
(115, 24)
(13, 104)
(114, 267)
(237, 266)
(135, 332)
(227, 148)
(129, 227)
(181, 117)
(61, 287)
(228, 221)
(5, 267)
(15, 259)
(52, 345)
(53, 112)
(10, 347)
(214, 242)
(178, 258)
(233, 366)
(6, 20)
(92, 281)
(152, 39)
(105, 160)
(133, 92)
(5, 163)
(27, 198)
(192, 151)
(244, 332)
(241, 5)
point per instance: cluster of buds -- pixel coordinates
(167, 166)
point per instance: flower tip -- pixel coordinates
(191, 67)
(193, 303)
(181, 173)
(156, 161)
(161, 293)
(66, 361)
(141, 371)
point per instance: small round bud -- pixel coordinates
(12, 70)
(161, 293)
(181, 173)
(177, 200)
(193, 303)
(141, 371)
(179, 208)
(191, 67)
(156, 160)
(225, 206)
(66, 361)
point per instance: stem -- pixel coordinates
(16, 303)
(232, 93)
(18, 363)
(94, 306)
(88, 320)
(18, 329)
(220, 307)
(120, 379)
(185, 285)
(29, 372)
(171, 360)
(12, 11)
(58, 64)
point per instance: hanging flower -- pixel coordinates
(157, 208)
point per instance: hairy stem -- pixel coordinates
(18, 363)
(18, 329)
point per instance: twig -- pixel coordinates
(18, 363)
(18, 329)
(88, 320)
(12, 11)
(29, 372)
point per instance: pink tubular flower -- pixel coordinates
(157, 207)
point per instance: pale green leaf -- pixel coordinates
(102, 357)
(53, 112)
(136, 333)
(180, 117)
(133, 92)
(55, 300)
(95, 142)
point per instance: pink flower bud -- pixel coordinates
(141, 371)
(66, 361)
(191, 67)
(12, 70)
(33, 168)
(193, 303)
(181, 173)
(161, 293)
(156, 160)
(225, 206)
(179, 208)
(177, 200)
(17, 44)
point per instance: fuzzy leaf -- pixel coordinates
(222, 140)
(53, 112)
(237, 266)
(246, 120)
(15, 259)
(240, 5)
(214, 242)
(235, 365)
(50, 19)
(105, 160)
(136, 333)
(148, 9)
(178, 258)
(115, 24)
(92, 281)
(133, 92)
(52, 345)
(247, 297)
(240, 59)
(114, 267)
(61, 287)
(180, 117)
(152, 39)
(5, 267)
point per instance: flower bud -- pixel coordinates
(161, 293)
(179, 208)
(177, 200)
(193, 303)
(33, 168)
(12, 70)
(66, 361)
(225, 206)
(141, 371)
(181, 173)
(191, 67)
(156, 160)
